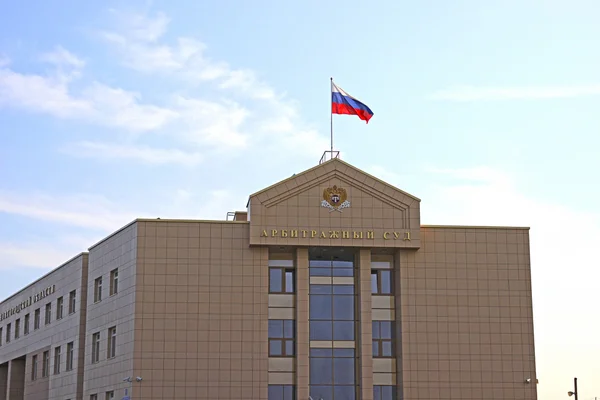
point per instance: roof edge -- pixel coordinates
(523, 228)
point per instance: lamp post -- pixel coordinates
(575, 388)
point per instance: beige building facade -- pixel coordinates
(327, 287)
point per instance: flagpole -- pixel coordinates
(331, 115)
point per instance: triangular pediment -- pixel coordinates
(299, 204)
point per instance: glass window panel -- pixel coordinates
(344, 393)
(275, 328)
(343, 289)
(319, 263)
(288, 329)
(343, 272)
(275, 348)
(288, 392)
(321, 392)
(320, 307)
(343, 307)
(320, 371)
(387, 392)
(386, 349)
(376, 348)
(275, 280)
(386, 329)
(320, 289)
(386, 281)
(320, 271)
(376, 393)
(281, 263)
(289, 348)
(343, 352)
(321, 330)
(376, 332)
(342, 264)
(275, 392)
(374, 287)
(343, 330)
(343, 371)
(321, 352)
(289, 281)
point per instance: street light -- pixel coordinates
(575, 392)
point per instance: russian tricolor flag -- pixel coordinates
(343, 103)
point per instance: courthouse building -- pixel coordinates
(326, 287)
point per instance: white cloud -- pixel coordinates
(474, 93)
(144, 154)
(85, 211)
(62, 57)
(35, 255)
(4, 60)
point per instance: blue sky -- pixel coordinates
(486, 111)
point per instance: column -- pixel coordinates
(16, 379)
(3, 381)
(365, 339)
(302, 327)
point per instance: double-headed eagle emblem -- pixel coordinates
(335, 199)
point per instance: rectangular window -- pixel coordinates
(93, 397)
(98, 290)
(114, 281)
(382, 339)
(384, 392)
(72, 302)
(45, 364)
(26, 325)
(381, 281)
(112, 342)
(110, 395)
(57, 360)
(34, 367)
(70, 355)
(8, 333)
(332, 374)
(48, 315)
(36, 319)
(281, 392)
(332, 315)
(59, 308)
(0, 336)
(95, 347)
(17, 328)
(281, 280)
(281, 338)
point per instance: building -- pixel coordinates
(327, 286)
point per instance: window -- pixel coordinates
(281, 338)
(48, 314)
(382, 339)
(0, 336)
(98, 290)
(70, 355)
(26, 325)
(59, 308)
(8, 333)
(384, 393)
(36, 319)
(34, 367)
(93, 397)
(332, 374)
(331, 268)
(57, 360)
(381, 281)
(112, 342)
(281, 280)
(45, 363)
(17, 328)
(281, 392)
(110, 395)
(114, 281)
(331, 311)
(95, 347)
(72, 302)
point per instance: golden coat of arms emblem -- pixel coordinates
(335, 199)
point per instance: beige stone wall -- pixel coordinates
(70, 276)
(117, 251)
(466, 315)
(201, 312)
